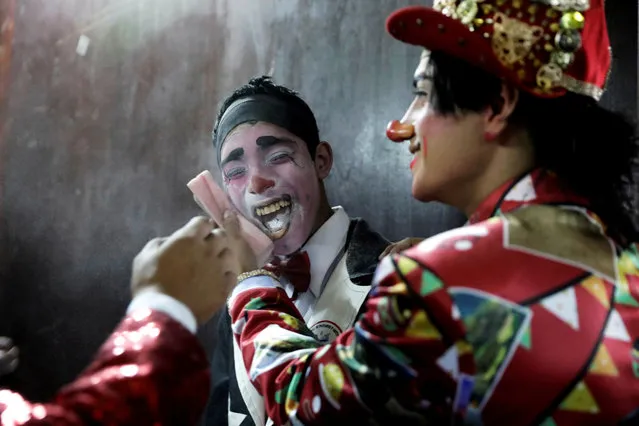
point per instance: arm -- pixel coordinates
(393, 349)
(151, 370)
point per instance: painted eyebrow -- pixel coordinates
(265, 142)
(234, 155)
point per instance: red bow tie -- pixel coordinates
(297, 269)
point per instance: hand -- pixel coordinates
(245, 255)
(402, 245)
(195, 265)
(8, 356)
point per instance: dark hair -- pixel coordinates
(264, 86)
(594, 151)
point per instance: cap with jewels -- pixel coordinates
(546, 47)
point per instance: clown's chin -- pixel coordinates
(275, 217)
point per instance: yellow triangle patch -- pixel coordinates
(596, 286)
(627, 265)
(463, 347)
(603, 363)
(581, 400)
(406, 265)
(398, 288)
(421, 327)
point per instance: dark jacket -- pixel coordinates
(363, 247)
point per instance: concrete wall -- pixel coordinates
(96, 146)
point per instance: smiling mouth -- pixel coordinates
(415, 147)
(275, 216)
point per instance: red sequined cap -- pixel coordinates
(546, 47)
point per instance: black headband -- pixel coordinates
(268, 109)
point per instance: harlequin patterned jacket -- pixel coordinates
(529, 315)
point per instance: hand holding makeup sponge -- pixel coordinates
(214, 201)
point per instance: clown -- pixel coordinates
(529, 315)
(273, 164)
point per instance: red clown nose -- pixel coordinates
(399, 132)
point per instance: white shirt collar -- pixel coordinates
(322, 248)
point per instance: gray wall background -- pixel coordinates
(95, 150)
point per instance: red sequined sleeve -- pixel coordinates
(400, 350)
(151, 371)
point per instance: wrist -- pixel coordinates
(141, 289)
(152, 297)
(256, 272)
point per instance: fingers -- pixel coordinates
(391, 249)
(13, 353)
(154, 244)
(401, 245)
(224, 253)
(5, 343)
(229, 261)
(216, 243)
(216, 233)
(232, 224)
(230, 281)
(386, 251)
(199, 227)
(9, 359)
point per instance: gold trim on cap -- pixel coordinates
(516, 38)
(580, 87)
(565, 5)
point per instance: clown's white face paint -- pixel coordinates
(271, 180)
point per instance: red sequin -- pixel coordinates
(151, 371)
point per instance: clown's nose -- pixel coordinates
(399, 132)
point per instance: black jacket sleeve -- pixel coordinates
(217, 409)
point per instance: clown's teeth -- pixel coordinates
(272, 208)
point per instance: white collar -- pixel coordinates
(323, 247)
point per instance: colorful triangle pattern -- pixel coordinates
(420, 327)
(596, 286)
(548, 422)
(603, 363)
(623, 296)
(564, 306)
(616, 329)
(524, 190)
(430, 283)
(581, 400)
(384, 269)
(449, 362)
(525, 338)
(628, 271)
(406, 265)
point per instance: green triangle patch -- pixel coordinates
(292, 392)
(525, 338)
(430, 283)
(548, 422)
(255, 303)
(623, 297)
(635, 368)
